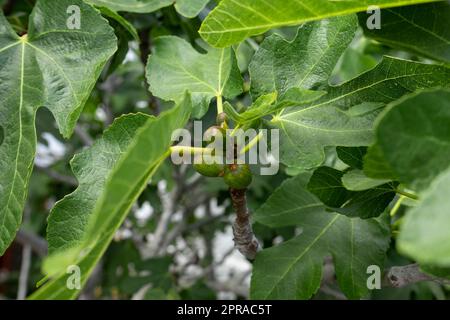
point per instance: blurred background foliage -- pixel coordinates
(197, 259)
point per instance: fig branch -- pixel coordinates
(237, 176)
(244, 238)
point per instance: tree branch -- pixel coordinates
(24, 272)
(83, 135)
(37, 244)
(68, 180)
(244, 238)
(398, 277)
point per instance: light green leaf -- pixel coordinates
(414, 137)
(305, 62)
(421, 29)
(139, 6)
(293, 270)
(270, 103)
(52, 66)
(232, 21)
(345, 116)
(112, 174)
(424, 235)
(188, 8)
(356, 180)
(175, 66)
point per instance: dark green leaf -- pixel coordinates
(294, 268)
(326, 184)
(352, 156)
(421, 29)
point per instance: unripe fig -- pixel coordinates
(238, 176)
(209, 170)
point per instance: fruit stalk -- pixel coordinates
(244, 238)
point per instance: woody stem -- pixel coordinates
(244, 238)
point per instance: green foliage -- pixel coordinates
(73, 61)
(233, 21)
(188, 8)
(364, 123)
(175, 67)
(414, 137)
(421, 29)
(345, 115)
(326, 183)
(294, 268)
(305, 62)
(424, 234)
(130, 166)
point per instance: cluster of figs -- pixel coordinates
(236, 176)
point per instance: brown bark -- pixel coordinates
(244, 238)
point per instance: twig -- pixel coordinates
(24, 272)
(213, 265)
(244, 238)
(83, 135)
(200, 224)
(36, 243)
(70, 181)
(402, 276)
(331, 292)
(24, 264)
(183, 228)
(169, 200)
(395, 277)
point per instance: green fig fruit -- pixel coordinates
(238, 176)
(209, 170)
